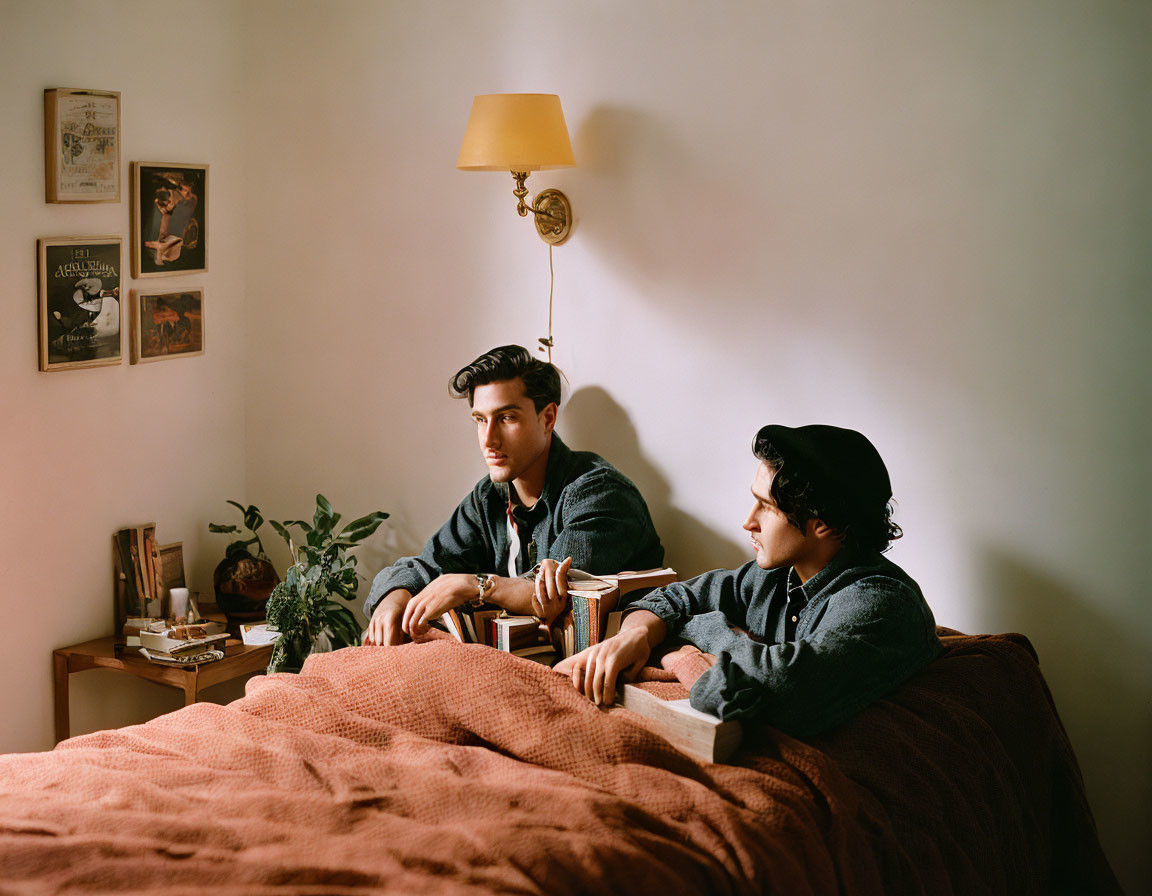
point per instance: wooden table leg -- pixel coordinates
(191, 688)
(60, 676)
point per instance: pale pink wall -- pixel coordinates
(928, 221)
(86, 452)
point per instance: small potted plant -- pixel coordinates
(302, 607)
(243, 580)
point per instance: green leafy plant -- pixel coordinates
(253, 520)
(302, 606)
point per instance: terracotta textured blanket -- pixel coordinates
(449, 768)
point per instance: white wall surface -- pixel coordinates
(926, 221)
(86, 452)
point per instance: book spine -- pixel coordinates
(150, 573)
(580, 622)
(595, 605)
(142, 595)
(132, 603)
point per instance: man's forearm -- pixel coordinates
(653, 626)
(514, 595)
(396, 599)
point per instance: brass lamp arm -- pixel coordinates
(552, 210)
(522, 207)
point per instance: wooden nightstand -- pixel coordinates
(103, 653)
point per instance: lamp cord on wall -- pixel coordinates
(546, 344)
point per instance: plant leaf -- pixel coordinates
(216, 527)
(359, 529)
(253, 519)
(281, 531)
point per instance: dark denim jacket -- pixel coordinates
(862, 627)
(589, 511)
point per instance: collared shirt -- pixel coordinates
(797, 598)
(861, 628)
(588, 511)
(513, 543)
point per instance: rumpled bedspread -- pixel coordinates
(449, 768)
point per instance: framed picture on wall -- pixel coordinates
(167, 324)
(81, 145)
(79, 301)
(169, 219)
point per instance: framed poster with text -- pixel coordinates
(81, 145)
(169, 219)
(79, 302)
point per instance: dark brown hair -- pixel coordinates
(508, 362)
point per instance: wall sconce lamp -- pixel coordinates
(520, 133)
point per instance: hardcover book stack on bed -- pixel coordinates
(590, 617)
(488, 625)
(592, 614)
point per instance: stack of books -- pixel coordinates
(522, 636)
(183, 645)
(493, 627)
(139, 568)
(591, 616)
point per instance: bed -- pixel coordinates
(448, 768)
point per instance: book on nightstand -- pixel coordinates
(194, 658)
(175, 644)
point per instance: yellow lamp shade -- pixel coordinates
(516, 132)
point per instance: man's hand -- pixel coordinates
(551, 595)
(384, 626)
(595, 671)
(444, 593)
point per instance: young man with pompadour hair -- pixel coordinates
(540, 501)
(818, 626)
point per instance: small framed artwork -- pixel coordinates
(169, 219)
(79, 302)
(81, 145)
(167, 324)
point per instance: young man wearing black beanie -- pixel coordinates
(818, 626)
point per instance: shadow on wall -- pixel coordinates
(591, 420)
(1100, 676)
(663, 215)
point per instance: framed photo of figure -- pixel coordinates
(167, 324)
(169, 219)
(79, 298)
(81, 145)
